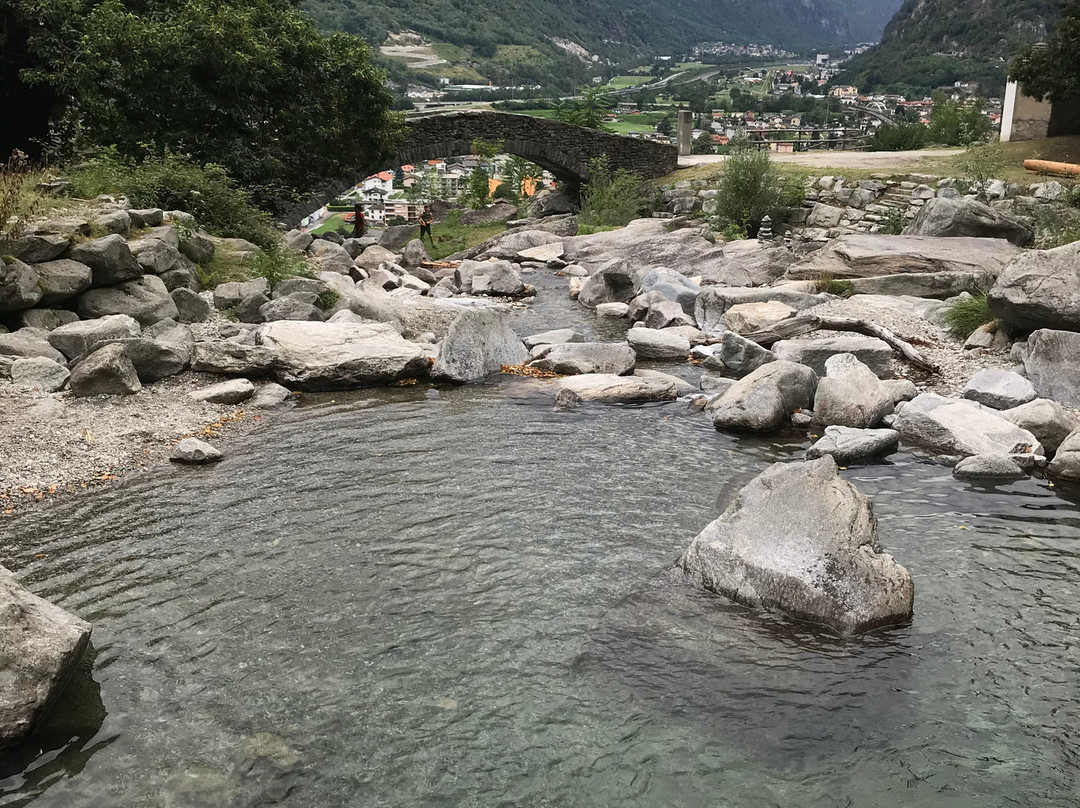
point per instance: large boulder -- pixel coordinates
(713, 302)
(609, 388)
(846, 444)
(1066, 462)
(865, 256)
(41, 646)
(197, 246)
(394, 238)
(289, 308)
(105, 372)
(1052, 363)
(232, 358)
(62, 280)
(801, 539)
(36, 248)
(967, 217)
(498, 278)
(79, 338)
(146, 299)
(331, 257)
(557, 336)
(938, 285)
(507, 245)
(988, 466)
(763, 400)
(738, 356)
(999, 389)
(647, 243)
(340, 356)
(872, 352)
(570, 359)
(229, 295)
(500, 211)
(746, 318)
(19, 288)
(949, 426)
(1045, 419)
(750, 262)
(38, 373)
(45, 319)
(671, 285)
(190, 306)
(478, 344)
(850, 394)
(414, 254)
(613, 282)
(154, 255)
(162, 350)
(1040, 289)
(29, 342)
(658, 345)
(109, 259)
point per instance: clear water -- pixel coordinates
(456, 597)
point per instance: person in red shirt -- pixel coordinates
(359, 221)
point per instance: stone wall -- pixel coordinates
(560, 148)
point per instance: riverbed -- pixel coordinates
(440, 596)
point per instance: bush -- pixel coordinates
(176, 182)
(982, 162)
(610, 198)
(966, 315)
(18, 198)
(751, 189)
(278, 263)
(900, 137)
(893, 222)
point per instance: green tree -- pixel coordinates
(250, 85)
(589, 110)
(516, 173)
(610, 198)
(955, 123)
(702, 144)
(664, 126)
(478, 192)
(1052, 70)
(752, 188)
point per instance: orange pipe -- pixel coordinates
(1049, 167)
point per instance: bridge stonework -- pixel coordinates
(560, 148)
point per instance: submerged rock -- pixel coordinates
(988, 466)
(585, 357)
(611, 389)
(40, 648)
(802, 540)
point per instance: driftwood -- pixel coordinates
(440, 264)
(801, 324)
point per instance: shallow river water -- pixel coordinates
(455, 597)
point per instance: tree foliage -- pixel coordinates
(1053, 69)
(955, 123)
(589, 110)
(751, 189)
(251, 85)
(610, 198)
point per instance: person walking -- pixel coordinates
(425, 224)
(359, 221)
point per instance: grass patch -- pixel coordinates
(449, 52)
(226, 266)
(589, 229)
(451, 237)
(965, 315)
(334, 224)
(519, 54)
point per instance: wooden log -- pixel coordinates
(1050, 167)
(802, 324)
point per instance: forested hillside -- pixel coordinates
(930, 43)
(611, 28)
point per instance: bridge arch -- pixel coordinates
(562, 149)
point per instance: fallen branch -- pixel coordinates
(802, 324)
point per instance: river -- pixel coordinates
(456, 597)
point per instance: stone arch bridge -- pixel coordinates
(560, 148)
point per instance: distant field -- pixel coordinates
(622, 82)
(451, 53)
(520, 54)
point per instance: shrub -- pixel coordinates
(900, 137)
(982, 162)
(18, 197)
(893, 222)
(752, 188)
(610, 198)
(278, 263)
(966, 315)
(176, 182)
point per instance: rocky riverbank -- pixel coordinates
(112, 351)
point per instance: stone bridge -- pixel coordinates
(560, 148)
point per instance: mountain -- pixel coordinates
(931, 43)
(612, 29)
